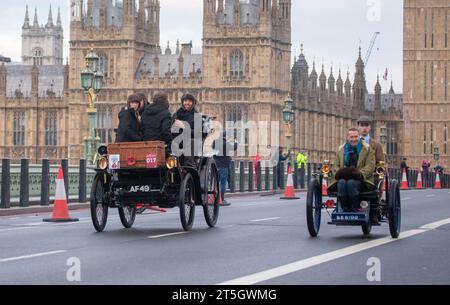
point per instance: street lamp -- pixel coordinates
(92, 84)
(289, 118)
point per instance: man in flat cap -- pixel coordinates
(365, 127)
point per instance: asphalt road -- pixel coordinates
(258, 240)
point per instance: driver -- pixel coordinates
(184, 118)
(354, 165)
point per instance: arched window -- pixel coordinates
(103, 125)
(51, 129)
(103, 64)
(237, 64)
(38, 55)
(19, 129)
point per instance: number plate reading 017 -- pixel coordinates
(140, 189)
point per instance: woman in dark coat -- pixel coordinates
(129, 122)
(157, 121)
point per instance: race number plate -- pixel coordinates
(114, 162)
(151, 161)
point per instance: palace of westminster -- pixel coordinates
(244, 73)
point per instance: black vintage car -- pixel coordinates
(132, 175)
(378, 205)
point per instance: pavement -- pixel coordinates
(258, 240)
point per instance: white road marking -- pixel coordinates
(327, 257)
(15, 229)
(429, 196)
(265, 219)
(167, 235)
(435, 225)
(10, 259)
(406, 199)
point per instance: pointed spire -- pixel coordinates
(178, 47)
(35, 21)
(50, 18)
(26, 23)
(391, 91)
(377, 85)
(58, 22)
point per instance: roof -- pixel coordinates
(146, 66)
(19, 77)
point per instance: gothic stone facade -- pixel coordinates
(426, 80)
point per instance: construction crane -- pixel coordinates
(372, 44)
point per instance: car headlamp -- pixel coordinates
(171, 162)
(103, 163)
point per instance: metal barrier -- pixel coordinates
(25, 184)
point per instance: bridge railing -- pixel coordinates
(23, 185)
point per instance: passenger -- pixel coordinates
(354, 165)
(130, 122)
(144, 101)
(157, 121)
(365, 127)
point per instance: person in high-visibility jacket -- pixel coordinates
(302, 159)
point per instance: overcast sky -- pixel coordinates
(331, 30)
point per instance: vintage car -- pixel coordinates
(142, 174)
(381, 203)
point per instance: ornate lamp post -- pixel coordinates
(289, 118)
(92, 84)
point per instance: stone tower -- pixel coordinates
(426, 70)
(42, 45)
(119, 32)
(246, 57)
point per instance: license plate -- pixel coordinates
(140, 189)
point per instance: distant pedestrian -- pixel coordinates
(223, 162)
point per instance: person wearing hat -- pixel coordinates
(184, 118)
(130, 121)
(365, 127)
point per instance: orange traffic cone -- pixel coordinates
(289, 193)
(438, 184)
(404, 185)
(419, 184)
(324, 187)
(60, 208)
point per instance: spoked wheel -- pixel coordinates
(314, 208)
(99, 204)
(211, 196)
(394, 209)
(127, 216)
(186, 202)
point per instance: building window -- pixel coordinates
(103, 126)
(103, 64)
(432, 81)
(446, 29)
(237, 64)
(432, 29)
(19, 129)
(51, 129)
(236, 119)
(446, 82)
(445, 139)
(425, 81)
(38, 55)
(425, 28)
